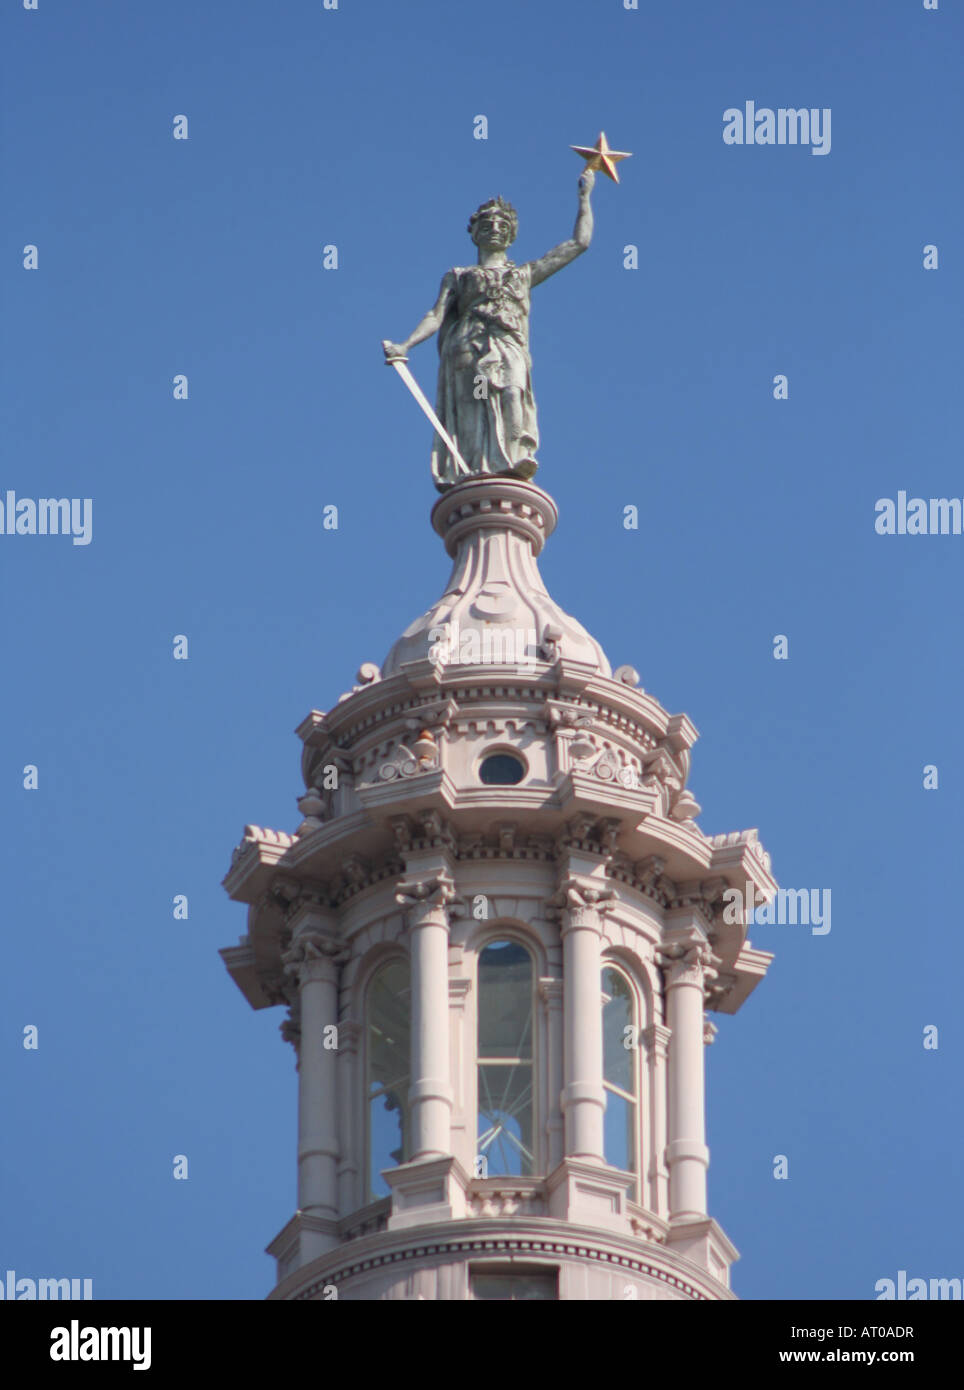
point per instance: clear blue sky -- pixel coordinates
(355, 127)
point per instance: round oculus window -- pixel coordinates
(501, 770)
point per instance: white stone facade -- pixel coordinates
(590, 862)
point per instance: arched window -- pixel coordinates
(505, 1114)
(388, 1015)
(620, 1050)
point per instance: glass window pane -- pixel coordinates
(387, 1120)
(501, 770)
(387, 1043)
(515, 1288)
(505, 1120)
(389, 1026)
(619, 1139)
(618, 1015)
(505, 1001)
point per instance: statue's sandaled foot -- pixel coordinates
(525, 468)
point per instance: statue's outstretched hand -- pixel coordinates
(586, 180)
(393, 351)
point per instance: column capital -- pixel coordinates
(689, 961)
(581, 902)
(428, 898)
(313, 955)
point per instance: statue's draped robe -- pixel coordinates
(483, 345)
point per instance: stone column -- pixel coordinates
(426, 902)
(351, 1099)
(583, 1097)
(462, 1134)
(551, 993)
(688, 969)
(656, 1040)
(311, 963)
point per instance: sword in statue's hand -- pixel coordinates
(398, 361)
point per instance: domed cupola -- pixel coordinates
(495, 609)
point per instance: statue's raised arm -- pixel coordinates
(567, 251)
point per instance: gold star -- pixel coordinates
(601, 156)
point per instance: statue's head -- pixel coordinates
(496, 223)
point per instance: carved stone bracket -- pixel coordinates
(290, 1027)
(506, 1200)
(550, 991)
(655, 1039)
(436, 831)
(292, 894)
(702, 894)
(647, 876)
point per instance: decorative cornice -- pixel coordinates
(360, 875)
(739, 838)
(591, 833)
(426, 830)
(646, 876)
(369, 1221)
(504, 845)
(503, 1198)
(558, 711)
(255, 835)
(700, 895)
(495, 1245)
